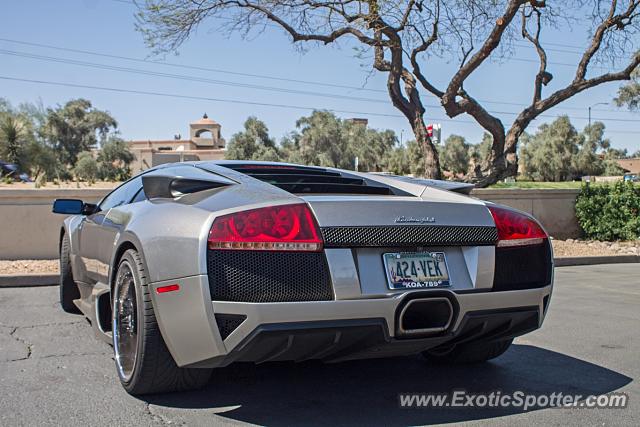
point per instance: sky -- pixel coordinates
(210, 82)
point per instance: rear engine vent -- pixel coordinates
(309, 180)
(262, 276)
(408, 236)
(522, 267)
(228, 323)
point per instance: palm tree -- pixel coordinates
(11, 140)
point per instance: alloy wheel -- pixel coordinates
(125, 322)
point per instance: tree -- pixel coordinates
(611, 166)
(114, 159)
(479, 156)
(403, 36)
(16, 131)
(86, 167)
(548, 155)
(557, 152)
(12, 140)
(290, 148)
(42, 161)
(322, 140)
(588, 161)
(76, 127)
(267, 154)
(254, 143)
(619, 153)
(397, 161)
(370, 146)
(629, 94)
(22, 134)
(5, 106)
(415, 155)
(455, 155)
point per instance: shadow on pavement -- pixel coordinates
(366, 392)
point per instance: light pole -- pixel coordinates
(594, 105)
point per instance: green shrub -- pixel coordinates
(114, 160)
(86, 167)
(609, 212)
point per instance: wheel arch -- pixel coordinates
(126, 242)
(63, 231)
(69, 227)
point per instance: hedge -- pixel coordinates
(609, 212)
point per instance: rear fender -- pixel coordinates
(70, 227)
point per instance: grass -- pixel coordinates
(547, 185)
(538, 185)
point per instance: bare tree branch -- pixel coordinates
(492, 41)
(424, 46)
(543, 77)
(405, 35)
(297, 36)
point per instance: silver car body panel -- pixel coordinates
(202, 346)
(171, 236)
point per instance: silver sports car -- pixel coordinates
(192, 266)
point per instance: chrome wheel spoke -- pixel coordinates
(125, 322)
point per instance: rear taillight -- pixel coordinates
(276, 228)
(516, 229)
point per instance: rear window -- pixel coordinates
(309, 180)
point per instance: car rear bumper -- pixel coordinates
(193, 326)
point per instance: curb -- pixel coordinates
(595, 260)
(28, 280)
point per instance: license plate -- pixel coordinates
(410, 270)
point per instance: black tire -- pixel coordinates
(68, 288)
(476, 352)
(154, 370)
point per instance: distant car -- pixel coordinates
(189, 267)
(12, 170)
(8, 169)
(632, 178)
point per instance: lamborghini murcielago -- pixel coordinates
(189, 267)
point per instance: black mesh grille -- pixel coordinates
(228, 323)
(522, 267)
(261, 276)
(411, 235)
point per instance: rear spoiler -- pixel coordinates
(183, 180)
(456, 187)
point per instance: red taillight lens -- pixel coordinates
(516, 229)
(276, 228)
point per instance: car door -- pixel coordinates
(98, 231)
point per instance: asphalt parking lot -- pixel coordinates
(54, 372)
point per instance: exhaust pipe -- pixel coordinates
(425, 316)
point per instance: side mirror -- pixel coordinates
(68, 206)
(90, 209)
